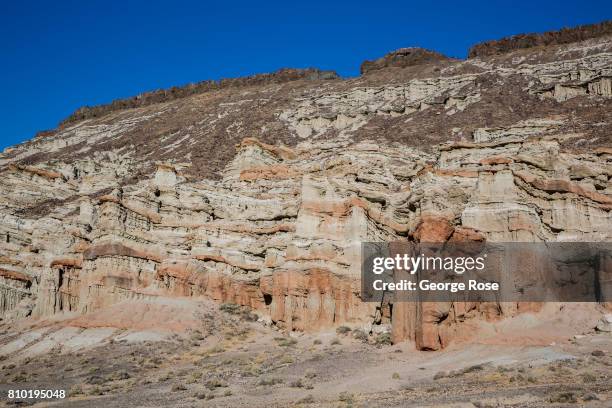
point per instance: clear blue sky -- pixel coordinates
(58, 55)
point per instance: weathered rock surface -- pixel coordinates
(261, 195)
(605, 324)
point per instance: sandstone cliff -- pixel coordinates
(260, 194)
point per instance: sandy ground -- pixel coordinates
(127, 356)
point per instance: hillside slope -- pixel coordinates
(259, 192)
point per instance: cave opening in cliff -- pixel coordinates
(267, 299)
(60, 279)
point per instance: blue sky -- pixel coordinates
(58, 55)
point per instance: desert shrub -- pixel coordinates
(254, 372)
(360, 335)
(383, 339)
(121, 375)
(471, 369)
(217, 349)
(296, 384)
(76, 389)
(242, 311)
(249, 316)
(178, 387)
(310, 374)
(309, 399)
(197, 336)
(286, 360)
(343, 330)
(346, 397)
(96, 391)
(20, 378)
(285, 341)
(230, 308)
(215, 383)
(270, 381)
(95, 380)
(564, 398)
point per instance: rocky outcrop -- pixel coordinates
(605, 324)
(404, 57)
(149, 202)
(14, 290)
(348, 111)
(600, 85)
(520, 41)
(165, 95)
(281, 232)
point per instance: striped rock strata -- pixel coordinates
(262, 195)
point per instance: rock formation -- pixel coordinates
(564, 36)
(260, 194)
(402, 58)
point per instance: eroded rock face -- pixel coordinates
(280, 229)
(348, 111)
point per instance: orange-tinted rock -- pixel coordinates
(186, 278)
(604, 150)
(430, 317)
(295, 300)
(222, 259)
(495, 160)
(277, 172)
(45, 173)
(563, 186)
(74, 261)
(15, 276)
(462, 234)
(279, 151)
(314, 299)
(456, 173)
(117, 249)
(433, 229)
